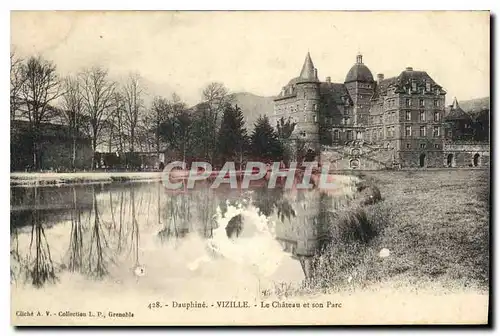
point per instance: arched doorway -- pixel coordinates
(422, 160)
(476, 160)
(449, 160)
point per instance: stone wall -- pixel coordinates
(421, 159)
(363, 158)
(466, 155)
(374, 158)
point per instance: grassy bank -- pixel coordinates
(31, 179)
(435, 225)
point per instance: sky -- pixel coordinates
(259, 52)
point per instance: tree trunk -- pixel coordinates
(73, 157)
(94, 148)
(132, 138)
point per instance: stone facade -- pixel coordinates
(466, 155)
(404, 116)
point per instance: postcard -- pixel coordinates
(208, 168)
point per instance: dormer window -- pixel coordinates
(428, 86)
(413, 85)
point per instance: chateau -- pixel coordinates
(402, 119)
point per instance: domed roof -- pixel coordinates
(359, 72)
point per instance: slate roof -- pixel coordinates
(359, 72)
(456, 112)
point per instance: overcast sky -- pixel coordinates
(259, 52)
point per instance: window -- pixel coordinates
(436, 146)
(413, 85)
(359, 135)
(421, 102)
(407, 102)
(408, 146)
(422, 115)
(388, 132)
(436, 103)
(381, 119)
(422, 146)
(349, 135)
(393, 116)
(315, 118)
(393, 132)
(303, 134)
(427, 86)
(408, 131)
(335, 134)
(315, 107)
(408, 115)
(437, 116)
(422, 131)
(435, 131)
(305, 116)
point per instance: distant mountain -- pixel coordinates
(253, 106)
(474, 106)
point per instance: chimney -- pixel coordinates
(328, 79)
(409, 69)
(380, 77)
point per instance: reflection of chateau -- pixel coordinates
(401, 120)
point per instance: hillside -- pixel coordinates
(252, 106)
(474, 106)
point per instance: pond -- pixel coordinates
(142, 237)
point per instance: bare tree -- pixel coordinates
(215, 96)
(16, 83)
(39, 90)
(98, 92)
(160, 112)
(118, 107)
(72, 110)
(133, 92)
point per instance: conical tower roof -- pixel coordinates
(456, 112)
(309, 72)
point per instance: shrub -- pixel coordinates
(341, 262)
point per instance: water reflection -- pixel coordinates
(106, 228)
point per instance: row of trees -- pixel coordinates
(115, 116)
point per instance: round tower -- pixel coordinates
(308, 96)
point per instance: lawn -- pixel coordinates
(435, 225)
